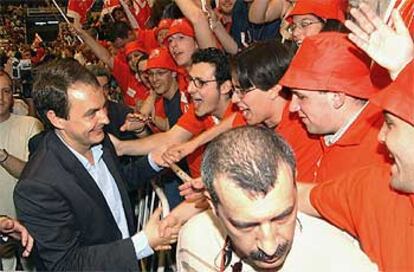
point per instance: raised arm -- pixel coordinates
(143, 146)
(392, 48)
(263, 11)
(198, 18)
(100, 51)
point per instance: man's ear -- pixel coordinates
(338, 99)
(226, 87)
(210, 202)
(56, 121)
(274, 91)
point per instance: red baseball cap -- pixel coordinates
(398, 97)
(161, 58)
(325, 9)
(134, 46)
(182, 26)
(330, 62)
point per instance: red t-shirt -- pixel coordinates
(362, 203)
(133, 91)
(148, 39)
(196, 125)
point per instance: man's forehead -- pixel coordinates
(202, 70)
(5, 78)
(236, 199)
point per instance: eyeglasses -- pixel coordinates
(198, 82)
(157, 74)
(240, 92)
(301, 25)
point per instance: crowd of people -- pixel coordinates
(293, 119)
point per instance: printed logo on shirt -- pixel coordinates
(131, 92)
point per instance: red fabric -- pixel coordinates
(79, 8)
(142, 11)
(325, 9)
(406, 9)
(110, 4)
(134, 46)
(182, 26)
(307, 149)
(161, 58)
(182, 79)
(358, 147)
(133, 91)
(398, 98)
(196, 125)
(329, 61)
(363, 204)
(148, 38)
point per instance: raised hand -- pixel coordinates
(392, 48)
(17, 231)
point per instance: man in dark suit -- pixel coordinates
(71, 195)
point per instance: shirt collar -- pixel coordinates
(96, 150)
(331, 139)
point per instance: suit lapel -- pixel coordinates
(83, 178)
(120, 183)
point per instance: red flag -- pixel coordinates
(79, 9)
(142, 11)
(109, 5)
(406, 9)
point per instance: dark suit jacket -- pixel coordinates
(64, 210)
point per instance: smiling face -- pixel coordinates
(161, 80)
(305, 26)
(133, 59)
(207, 96)
(316, 110)
(181, 48)
(398, 135)
(86, 119)
(261, 227)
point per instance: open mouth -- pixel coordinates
(197, 102)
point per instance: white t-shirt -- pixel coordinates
(317, 246)
(15, 134)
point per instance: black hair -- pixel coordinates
(50, 90)
(218, 59)
(263, 64)
(249, 156)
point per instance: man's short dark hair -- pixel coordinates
(248, 156)
(119, 30)
(50, 90)
(263, 64)
(218, 59)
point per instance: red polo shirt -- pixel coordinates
(357, 148)
(364, 204)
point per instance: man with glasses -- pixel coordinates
(210, 88)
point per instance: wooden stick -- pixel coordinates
(180, 173)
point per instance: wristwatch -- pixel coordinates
(3, 155)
